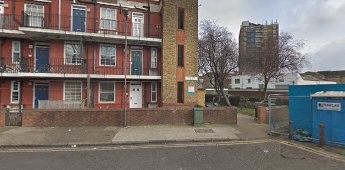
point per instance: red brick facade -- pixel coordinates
(46, 44)
(59, 72)
(135, 117)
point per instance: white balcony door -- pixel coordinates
(138, 24)
(34, 15)
(2, 17)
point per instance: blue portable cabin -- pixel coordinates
(305, 114)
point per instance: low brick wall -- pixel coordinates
(135, 117)
(2, 119)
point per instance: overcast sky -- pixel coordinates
(320, 22)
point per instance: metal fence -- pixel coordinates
(278, 114)
(60, 104)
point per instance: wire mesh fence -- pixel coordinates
(278, 114)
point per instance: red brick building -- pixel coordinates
(71, 53)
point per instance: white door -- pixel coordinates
(136, 97)
(138, 24)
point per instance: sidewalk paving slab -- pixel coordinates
(58, 136)
(169, 133)
(67, 136)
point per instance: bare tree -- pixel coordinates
(217, 55)
(279, 55)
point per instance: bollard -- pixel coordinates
(291, 131)
(322, 135)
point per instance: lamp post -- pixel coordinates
(125, 12)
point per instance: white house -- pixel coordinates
(253, 82)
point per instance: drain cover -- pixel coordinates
(203, 130)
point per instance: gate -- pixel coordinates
(13, 118)
(278, 108)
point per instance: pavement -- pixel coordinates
(65, 136)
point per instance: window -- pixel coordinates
(180, 55)
(249, 81)
(107, 92)
(108, 55)
(34, 15)
(16, 51)
(73, 91)
(72, 54)
(108, 19)
(237, 81)
(154, 92)
(181, 18)
(180, 92)
(154, 58)
(15, 91)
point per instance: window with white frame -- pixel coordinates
(108, 19)
(108, 55)
(153, 92)
(73, 91)
(15, 91)
(72, 54)
(34, 15)
(154, 58)
(107, 92)
(16, 51)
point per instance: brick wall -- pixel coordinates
(172, 37)
(135, 117)
(201, 97)
(2, 118)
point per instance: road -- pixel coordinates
(254, 155)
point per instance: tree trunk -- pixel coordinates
(265, 90)
(226, 98)
(218, 96)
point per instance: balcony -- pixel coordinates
(48, 26)
(74, 68)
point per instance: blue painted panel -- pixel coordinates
(42, 59)
(79, 20)
(41, 93)
(333, 121)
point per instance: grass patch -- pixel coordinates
(247, 111)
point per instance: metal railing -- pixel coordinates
(61, 104)
(79, 24)
(83, 66)
(89, 25)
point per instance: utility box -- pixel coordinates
(314, 105)
(198, 116)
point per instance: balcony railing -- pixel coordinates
(85, 66)
(79, 24)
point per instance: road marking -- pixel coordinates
(132, 147)
(319, 152)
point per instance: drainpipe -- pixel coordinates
(125, 68)
(95, 16)
(13, 13)
(59, 15)
(21, 94)
(94, 57)
(1, 43)
(148, 18)
(148, 34)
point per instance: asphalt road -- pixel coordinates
(270, 155)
